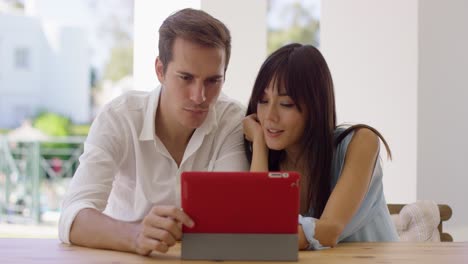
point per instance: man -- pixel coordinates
(125, 195)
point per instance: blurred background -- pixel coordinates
(398, 65)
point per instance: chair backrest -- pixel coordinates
(445, 214)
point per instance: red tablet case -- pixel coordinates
(241, 202)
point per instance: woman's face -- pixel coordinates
(282, 122)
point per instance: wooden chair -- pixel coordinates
(445, 214)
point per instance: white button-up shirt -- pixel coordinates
(125, 169)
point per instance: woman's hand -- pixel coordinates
(252, 129)
(254, 133)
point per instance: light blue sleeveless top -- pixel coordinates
(372, 222)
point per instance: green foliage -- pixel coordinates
(120, 63)
(52, 124)
(4, 131)
(79, 130)
(303, 28)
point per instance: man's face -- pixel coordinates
(192, 82)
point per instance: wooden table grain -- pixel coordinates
(24, 251)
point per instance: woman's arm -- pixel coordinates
(350, 190)
(254, 133)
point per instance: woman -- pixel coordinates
(291, 126)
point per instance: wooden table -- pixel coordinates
(26, 251)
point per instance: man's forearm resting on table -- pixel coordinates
(92, 228)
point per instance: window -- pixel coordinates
(22, 57)
(293, 21)
(1, 65)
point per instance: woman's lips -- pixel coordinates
(273, 133)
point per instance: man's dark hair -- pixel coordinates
(196, 26)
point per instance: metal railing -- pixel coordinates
(27, 166)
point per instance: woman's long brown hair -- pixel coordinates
(305, 75)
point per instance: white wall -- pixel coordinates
(148, 17)
(248, 32)
(443, 108)
(371, 49)
(402, 66)
(247, 21)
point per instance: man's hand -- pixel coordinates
(160, 229)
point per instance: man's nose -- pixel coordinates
(197, 93)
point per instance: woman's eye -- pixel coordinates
(288, 105)
(263, 101)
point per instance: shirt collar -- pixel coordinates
(148, 130)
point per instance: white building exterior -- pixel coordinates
(42, 67)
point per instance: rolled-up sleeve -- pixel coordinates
(308, 226)
(92, 181)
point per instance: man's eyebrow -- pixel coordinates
(217, 76)
(184, 73)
